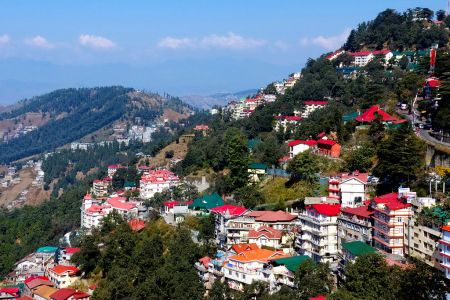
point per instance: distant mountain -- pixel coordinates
(219, 99)
(66, 115)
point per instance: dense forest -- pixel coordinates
(412, 29)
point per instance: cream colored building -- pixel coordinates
(318, 232)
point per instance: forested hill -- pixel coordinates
(66, 115)
(400, 31)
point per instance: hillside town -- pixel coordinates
(330, 184)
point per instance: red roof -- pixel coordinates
(66, 293)
(315, 102)
(320, 297)
(24, 298)
(289, 118)
(119, 203)
(232, 210)
(271, 216)
(87, 196)
(330, 210)
(370, 115)
(446, 228)
(304, 142)
(362, 211)
(33, 277)
(433, 82)
(360, 176)
(35, 282)
(70, 250)
(326, 142)
(322, 134)
(205, 261)
(61, 269)
(267, 231)
(171, 204)
(284, 159)
(13, 291)
(386, 198)
(381, 52)
(391, 201)
(201, 127)
(238, 248)
(114, 167)
(360, 53)
(136, 224)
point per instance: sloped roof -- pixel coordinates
(269, 232)
(386, 198)
(34, 283)
(371, 114)
(238, 248)
(119, 203)
(304, 142)
(257, 166)
(45, 291)
(232, 210)
(315, 102)
(71, 250)
(136, 224)
(207, 202)
(326, 209)
(271, 216)
(291, 263)
(358, 248)
(60, 269)
(261, 255)
(47, 249)
(362, 211)
(326, 142)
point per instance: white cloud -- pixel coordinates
(39, 42)
(328, 42)
(4, 39)
(174, 43)
(229, 41)
(96, 42)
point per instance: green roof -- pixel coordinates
(251, 144)
(47, 249)
(129, 184)
(207, 202)
(350, 116)
(358, 248)
(260, 166)
(291, 263)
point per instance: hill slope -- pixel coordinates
(66, 115)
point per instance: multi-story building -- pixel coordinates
(285, 122)
(355, 224)
(63, 276)
(237, 229)
(349, 188)
(223, 214)
(362, 58)
(445, 252)
(245, 267)
(299, 146)
(422, 240)
(156, 181)
(391, 214)
(266, 236)
(94, 210)
(312, 105)
(100, 186)
(318, 232)
(112, 169)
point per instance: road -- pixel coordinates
(424, 134)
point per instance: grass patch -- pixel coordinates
(275, 191)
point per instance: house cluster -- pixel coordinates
(281, 86)
(18, 131)
(386, 56)
(284, 122)
(321, 146)
(46, 274)
(246, 106)
(269, 246)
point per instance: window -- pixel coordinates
(399, 219)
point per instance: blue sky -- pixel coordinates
(181, 47)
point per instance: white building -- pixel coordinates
(156, 181)
(362, 58)
(286, 122)
(318, 232)
(112, 169)
(63, 276)
(349, 188)
(311, 106)
(299, 146)
(247, 266)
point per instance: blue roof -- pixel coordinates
(47, 249)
